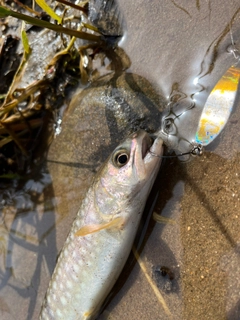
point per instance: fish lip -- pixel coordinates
(155, 151)
(149, 150)
(147, 143)
(152, 144)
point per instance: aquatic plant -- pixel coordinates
(28, 108)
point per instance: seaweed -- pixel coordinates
(27, 111)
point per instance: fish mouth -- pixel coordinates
(147, 142)
(145, 147)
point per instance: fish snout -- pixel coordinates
(147, 142)
(143, 140)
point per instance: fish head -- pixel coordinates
(133, 163)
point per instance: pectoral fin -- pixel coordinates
(115, 223)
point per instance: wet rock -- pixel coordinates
(106, 16)
(97, 119)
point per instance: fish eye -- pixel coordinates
(120, 158)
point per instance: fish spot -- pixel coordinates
(74, 254)
(59, 272)
(74, 276)
(59, 313)
(51, 314)
(78, 223)
(65, 252)
(72, 246)
(76, 268)
(69, 284)
(83, 250)
(63, 300)
(78, 296)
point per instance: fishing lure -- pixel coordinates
(176, 130)
(218, 107)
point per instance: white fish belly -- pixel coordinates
(86, 271)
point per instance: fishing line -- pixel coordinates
(232, 48)
(196, 151)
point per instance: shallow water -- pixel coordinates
(166, 43)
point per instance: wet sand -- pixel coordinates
(166, 45)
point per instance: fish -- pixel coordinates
(103, 232)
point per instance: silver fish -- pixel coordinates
(103, 232)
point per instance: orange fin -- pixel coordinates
(115, 223)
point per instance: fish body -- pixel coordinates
(103, 232)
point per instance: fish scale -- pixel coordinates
(102, 234)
